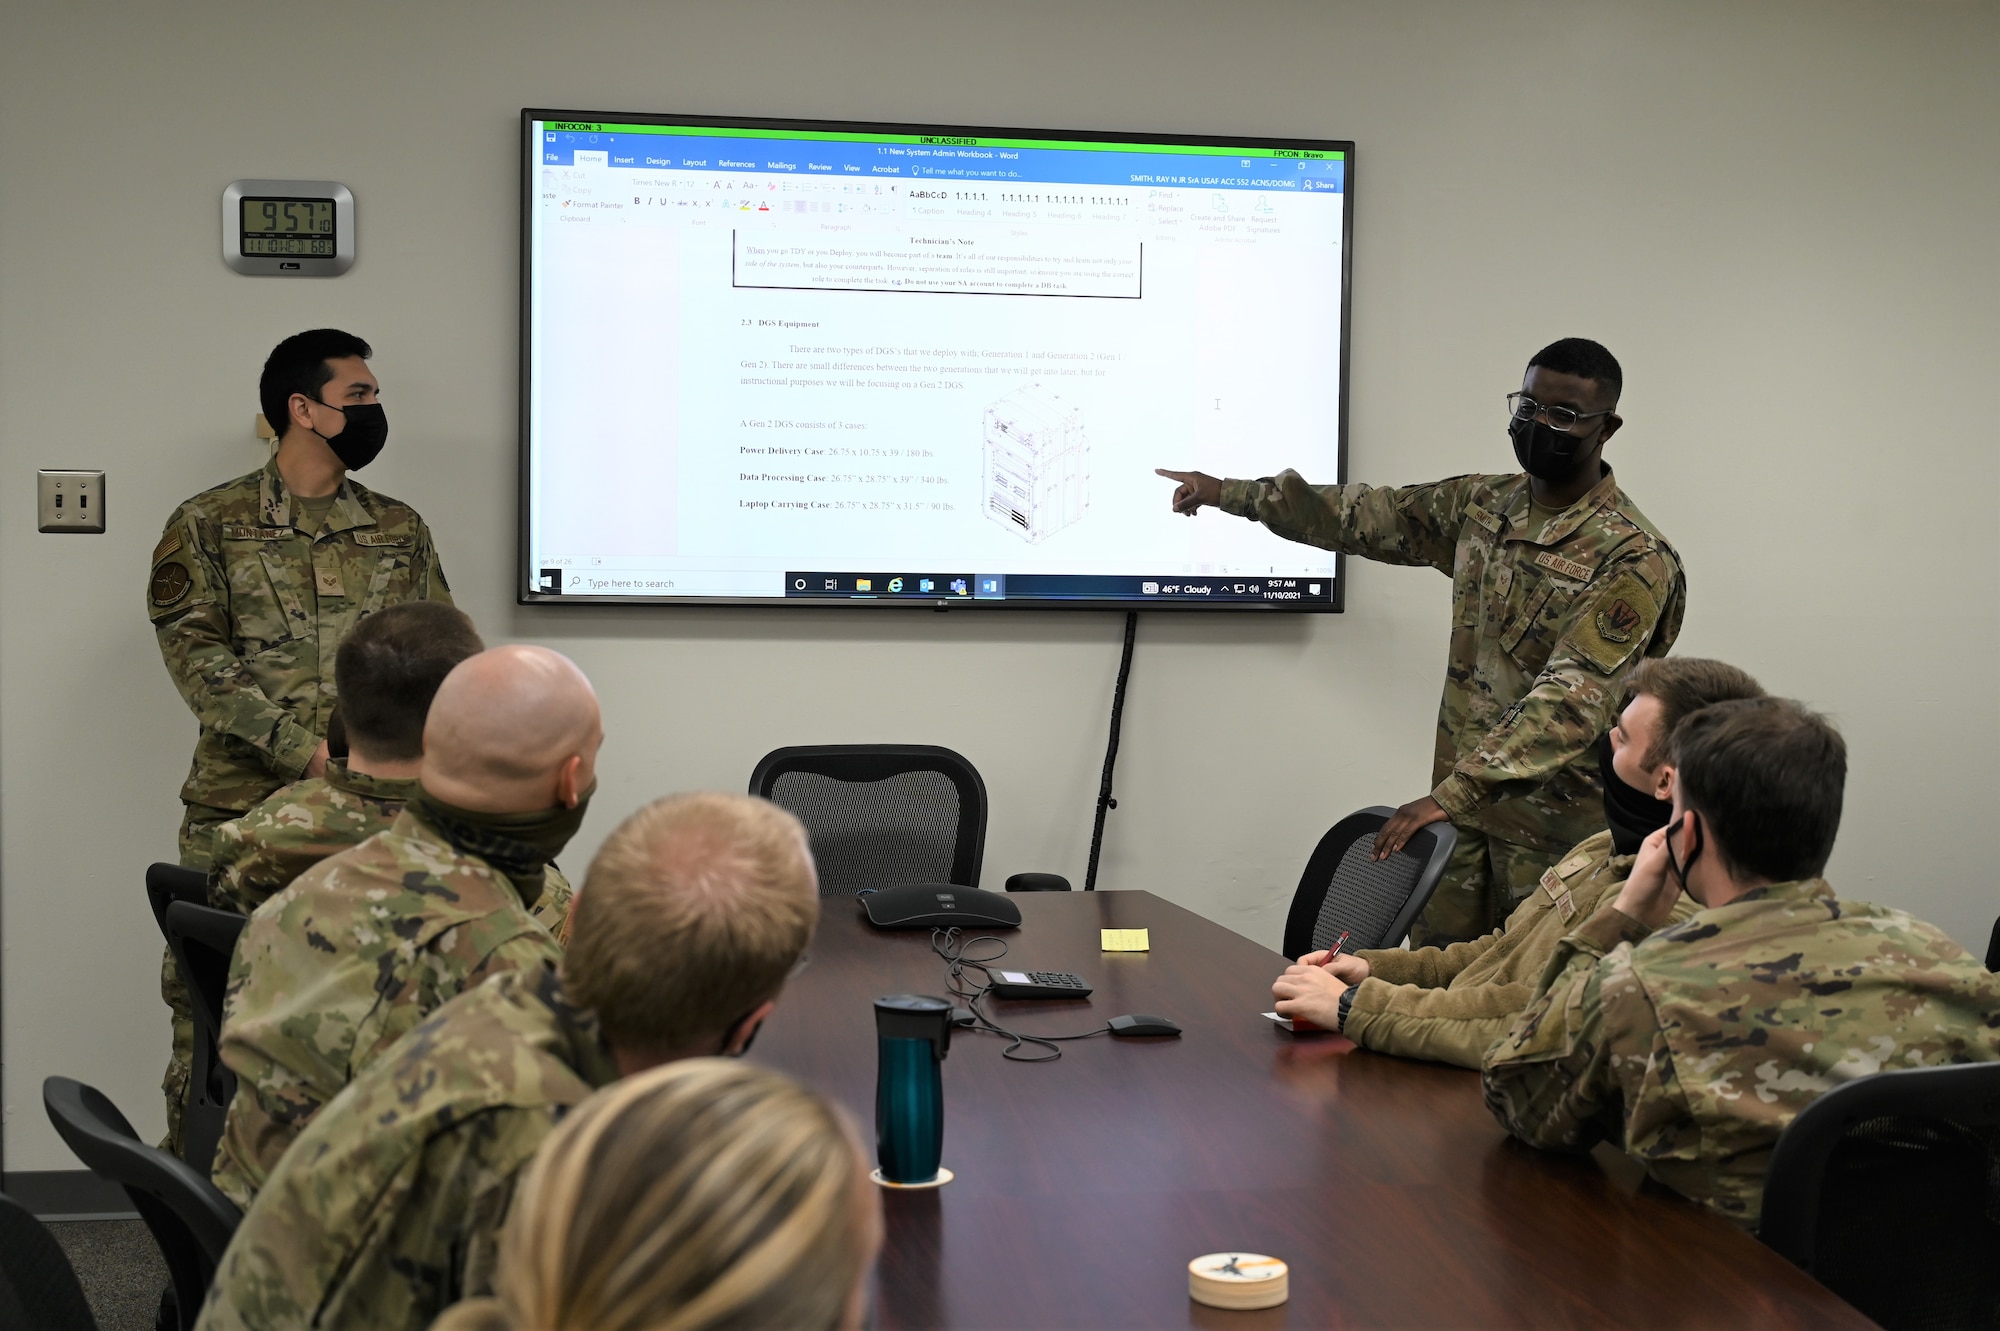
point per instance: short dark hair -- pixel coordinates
(1767, 776)
(1586, 360)
(299, 365)
(388, 669)
(1684, 685)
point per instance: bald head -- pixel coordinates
(512, 730)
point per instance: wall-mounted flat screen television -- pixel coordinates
(831, 363)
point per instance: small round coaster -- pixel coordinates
(1238, 1280)
(944, 1176)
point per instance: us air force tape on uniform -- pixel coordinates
(1238, 1280)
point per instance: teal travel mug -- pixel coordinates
(912, 1033)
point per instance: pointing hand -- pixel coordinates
(1196, 489)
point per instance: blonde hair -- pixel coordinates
(700, 1195)
(693, 913)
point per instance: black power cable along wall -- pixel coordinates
(1105, 803)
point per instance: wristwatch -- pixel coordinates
(1347, 1004)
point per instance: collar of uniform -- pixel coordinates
(342, 777)
(347, 512)
(1805, 889)
(585, 1049)
(1519, 511)
(274, 500)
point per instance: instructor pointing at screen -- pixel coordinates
(1560, 586)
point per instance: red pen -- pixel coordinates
(1338, 944)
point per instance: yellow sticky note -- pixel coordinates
(1125, 940)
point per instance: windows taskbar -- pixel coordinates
(948, 587)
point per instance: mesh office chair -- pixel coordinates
(881, 815)
(207, 1098)
(1344, 890)
(168, 883)
(1993, 948)
(202, 940)
(189, 1220)
(1887, 1191)
(38, 1287)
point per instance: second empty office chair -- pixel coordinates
(881, 815)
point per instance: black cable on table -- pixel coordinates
(948, 945)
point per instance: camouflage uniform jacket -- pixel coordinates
(1548, 616)
(1693, 1049)
(389, 1206)
(295, 829)
(341, 964)
(1450, 1004)
(308, 821)
(249, 609)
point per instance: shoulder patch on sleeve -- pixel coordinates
(168, 544)
(1616, 623)
(170, 586)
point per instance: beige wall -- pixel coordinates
(1780, 215)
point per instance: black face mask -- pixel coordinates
(367, 430)
(1631, 813)
(520, 845)
(1544, 452)
(1682, 868)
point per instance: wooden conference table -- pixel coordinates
(1085, 1185)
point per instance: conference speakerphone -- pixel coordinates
(953, 587)
(938, 906)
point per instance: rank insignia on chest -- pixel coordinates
(1615, 622)
(1559, 894)
(327, 582)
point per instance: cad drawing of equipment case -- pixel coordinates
(1037, 463)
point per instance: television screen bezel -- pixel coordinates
(524, 588)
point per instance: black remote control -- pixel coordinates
(1037, 984)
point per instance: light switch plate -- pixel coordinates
(70, 500)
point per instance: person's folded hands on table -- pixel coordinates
(1312, 990)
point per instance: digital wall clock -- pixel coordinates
(288, 228)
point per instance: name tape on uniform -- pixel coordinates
(1569, 568)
